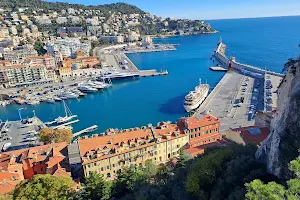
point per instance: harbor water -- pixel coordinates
(261, 42)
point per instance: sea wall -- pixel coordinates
(221, 57)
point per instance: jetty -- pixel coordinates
(87, 130)
(152, 72)
(65, 124)
(232, 63)
(218, 68)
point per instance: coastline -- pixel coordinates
(187, 34)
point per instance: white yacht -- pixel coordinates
(32, 102)
(87, 88)
(55, 98)
(103, 84)
(94, 85)
(68, 95)
(69, 116)
(195, 98)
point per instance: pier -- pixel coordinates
(218, 68)
(65, 124)
(152, 72)
(84, 131)
(232, 63)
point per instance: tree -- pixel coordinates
(203, 173)
(48, 135)
(42, 187)
(39, 47)
(96, 188)
(150, 169)
(257, 190)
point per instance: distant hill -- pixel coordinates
(57, 6)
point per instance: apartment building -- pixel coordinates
(47, 60)
(17, 56)
(67, 47)
(108, 154)
(18, 165)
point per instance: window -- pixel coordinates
(107, 167)
(108, 175)
(102, 169)
(95, 164)
(113, 165)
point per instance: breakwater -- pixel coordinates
(232, 63)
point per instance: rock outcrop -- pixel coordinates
(283, 143)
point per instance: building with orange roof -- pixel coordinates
(201, 130)
(18, 165)
(248, 135)
(109, 153)
(47, 60)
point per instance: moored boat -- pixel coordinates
(195, 98)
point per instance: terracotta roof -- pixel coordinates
(194, 151)
(54, 160)
(4, 161)
(195, 122)
(7, 187)
(61, 172)
(126, 137)
(258, 135)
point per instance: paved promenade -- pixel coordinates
(222, 101)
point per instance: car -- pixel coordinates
(245, 84)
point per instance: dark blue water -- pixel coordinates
(264, 42)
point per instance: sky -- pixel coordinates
(208, 9)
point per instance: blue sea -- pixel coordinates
(262, 42)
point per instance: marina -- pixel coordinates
(126, 103)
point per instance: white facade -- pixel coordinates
(67, 47)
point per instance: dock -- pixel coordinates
(84, 131)
(65, 124)
(218, 68)
(152, 72)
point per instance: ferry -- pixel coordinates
(195, 98)
(119, 76)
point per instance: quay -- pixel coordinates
(20, 134)
(257, 87)
(84, 131)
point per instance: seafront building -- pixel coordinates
(121, 148)
(20, 75)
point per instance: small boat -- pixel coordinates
(55, 98)
(50, 100)
(6, 146)
(97, 86)
(69, 116)
(103, 84)
(33, 102)
(4, 103)
(86, 88)
(68, 95)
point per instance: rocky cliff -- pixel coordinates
(283, 143)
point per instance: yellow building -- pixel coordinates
(108, 154)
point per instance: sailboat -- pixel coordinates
(69, 116)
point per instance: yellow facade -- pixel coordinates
(157, 152)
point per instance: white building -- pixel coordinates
(61, 20)
(17, 56)
(67, 47)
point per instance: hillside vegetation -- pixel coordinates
(57, 6)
